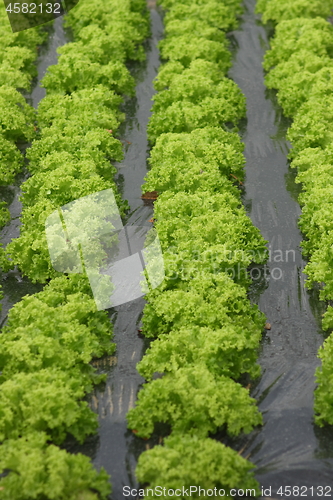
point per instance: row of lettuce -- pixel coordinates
(18, 52)
(300, 66)
(206, 332)
(51, 337)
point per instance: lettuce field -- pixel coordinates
(211, 122)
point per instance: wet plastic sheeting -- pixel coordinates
(289, 449)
